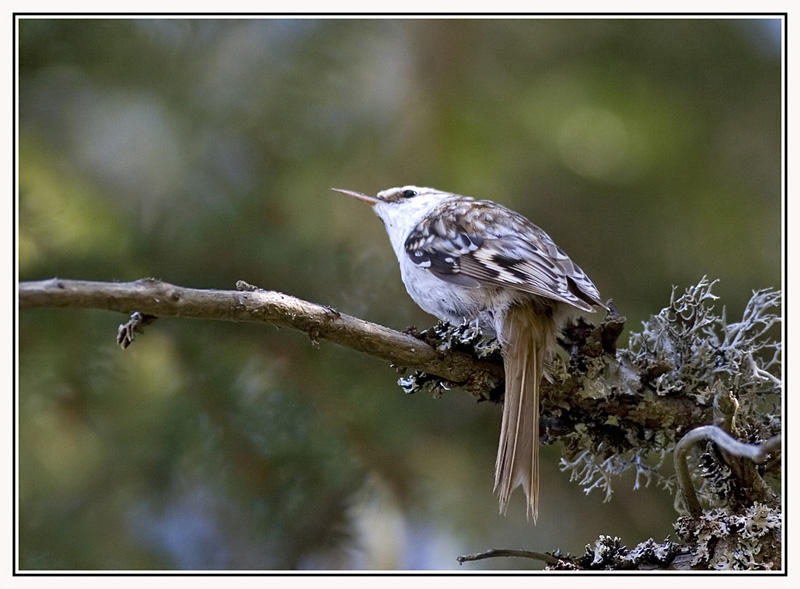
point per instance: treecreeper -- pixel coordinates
(463, 259)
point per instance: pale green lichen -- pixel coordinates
(465, 337)
(609, 553)
(750, 540)
(686, 351)
(718, 540)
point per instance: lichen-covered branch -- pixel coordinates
(665, 383)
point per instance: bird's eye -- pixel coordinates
(409, 193)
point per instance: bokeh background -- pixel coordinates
(202, 152)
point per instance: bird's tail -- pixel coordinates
(525, 337)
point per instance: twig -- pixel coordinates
(502, 552)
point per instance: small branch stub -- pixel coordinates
(126, 332)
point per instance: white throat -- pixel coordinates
(401, 217)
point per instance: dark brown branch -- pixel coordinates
(504, 552)
(160, 299)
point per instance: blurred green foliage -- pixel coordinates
(202, 152)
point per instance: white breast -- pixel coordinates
(441, 299)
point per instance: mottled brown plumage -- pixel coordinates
(463, 259)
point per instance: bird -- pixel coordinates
(464, 259)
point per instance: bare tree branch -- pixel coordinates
(153, 297)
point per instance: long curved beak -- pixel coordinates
(370, 200)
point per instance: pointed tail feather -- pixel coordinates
(524, 337)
